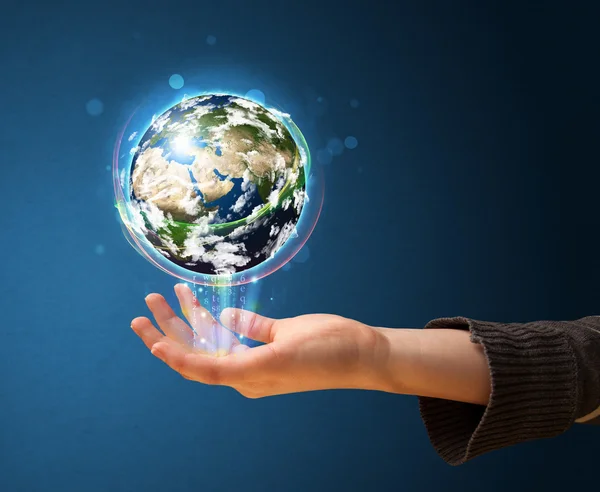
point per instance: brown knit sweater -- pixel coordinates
(545, 376)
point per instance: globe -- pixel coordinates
(217, 184)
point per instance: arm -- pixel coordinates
(481, 385)
(545, 375)
(315, 352)
(438, 363)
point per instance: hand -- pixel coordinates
(312, 352)
(305, 353)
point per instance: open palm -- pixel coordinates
(304, 353)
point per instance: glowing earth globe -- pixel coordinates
(218, 184)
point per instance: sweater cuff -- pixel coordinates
(533, 394)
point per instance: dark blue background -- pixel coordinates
(473, 191)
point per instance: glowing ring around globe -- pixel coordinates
(127, 202)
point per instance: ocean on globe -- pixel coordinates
(217, 184)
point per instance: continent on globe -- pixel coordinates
(217, 184)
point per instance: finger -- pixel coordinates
(228, 370)
(249, 324)
(198, 367)
(172, 326)
(203, 323)
(210, 335)
(144, 329)
(196, 314)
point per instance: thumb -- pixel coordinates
(249, 324)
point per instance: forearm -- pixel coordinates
(544, 376)
(438, 363)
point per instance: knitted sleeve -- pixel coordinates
(545, 376)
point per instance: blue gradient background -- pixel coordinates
(473, 191)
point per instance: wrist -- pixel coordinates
(391, 360)
(399, 354)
